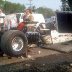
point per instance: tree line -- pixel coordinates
(66, 5)
(9, 7)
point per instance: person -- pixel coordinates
(28, 15)
(2, 16)
(10, 21)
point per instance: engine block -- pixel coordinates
(33, 37)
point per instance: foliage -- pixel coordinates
(63, 5)
(66, 7)
(47, 12)
(70, 4)
(9, 7)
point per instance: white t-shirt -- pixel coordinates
(2, 15)
(11, 21)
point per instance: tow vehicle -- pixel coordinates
(15, 39)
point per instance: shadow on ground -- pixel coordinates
(52, 63)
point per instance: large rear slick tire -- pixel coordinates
(14, 43)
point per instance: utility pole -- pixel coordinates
(30, 4)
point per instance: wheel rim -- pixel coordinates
(17, 44)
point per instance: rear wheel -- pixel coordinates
(14, 43)
(17, 43)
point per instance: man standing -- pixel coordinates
(2, 16)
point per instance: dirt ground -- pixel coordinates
(38, 60)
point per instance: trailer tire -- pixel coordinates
(14, 43)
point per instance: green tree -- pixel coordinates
(1, 3)
(70, 4)
(13, 7)
(47, 12)
(63, 5)
(9, 7)
(66, 5)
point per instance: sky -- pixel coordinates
(53, 4)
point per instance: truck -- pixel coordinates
(14, 41)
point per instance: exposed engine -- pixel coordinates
(33, 37)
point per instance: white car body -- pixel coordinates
(11, 19)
